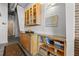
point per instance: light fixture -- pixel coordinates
(52, 4)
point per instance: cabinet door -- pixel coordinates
(36, 13)
(30, 16)
(27, 17)
(34, 48)
(25, 41)
(33, 14)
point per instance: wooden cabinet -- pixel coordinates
(25, 41)
(32, 15)
(36, 13)
(34, 44)
(29, 42)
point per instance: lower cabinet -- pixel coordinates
(29, 42)
(25, 41)
(34, 44)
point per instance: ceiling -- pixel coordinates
(12, 6)
(23, 4)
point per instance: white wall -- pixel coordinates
(4, 19)
(20, 11)
(16, 25)
(57, 9)
(70, 25)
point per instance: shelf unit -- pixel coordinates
(33, 15)
(52, 49)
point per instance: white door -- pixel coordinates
(3, 23)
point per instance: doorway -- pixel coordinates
(10, 26)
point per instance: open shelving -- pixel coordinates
(52, 49)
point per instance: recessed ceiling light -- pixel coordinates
(52, 4)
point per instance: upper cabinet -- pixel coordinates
(32, 15)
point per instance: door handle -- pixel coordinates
(4, 23)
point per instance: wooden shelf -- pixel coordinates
(51, 46)
(51, 50)
(43, 47)
(57, 38)
(58, 53)
(61, 50)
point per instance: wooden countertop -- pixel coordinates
(52, 37)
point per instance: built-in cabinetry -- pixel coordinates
(32, 14)
(25, 41)
(34, 44)
(43, 44)
(29, 42)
